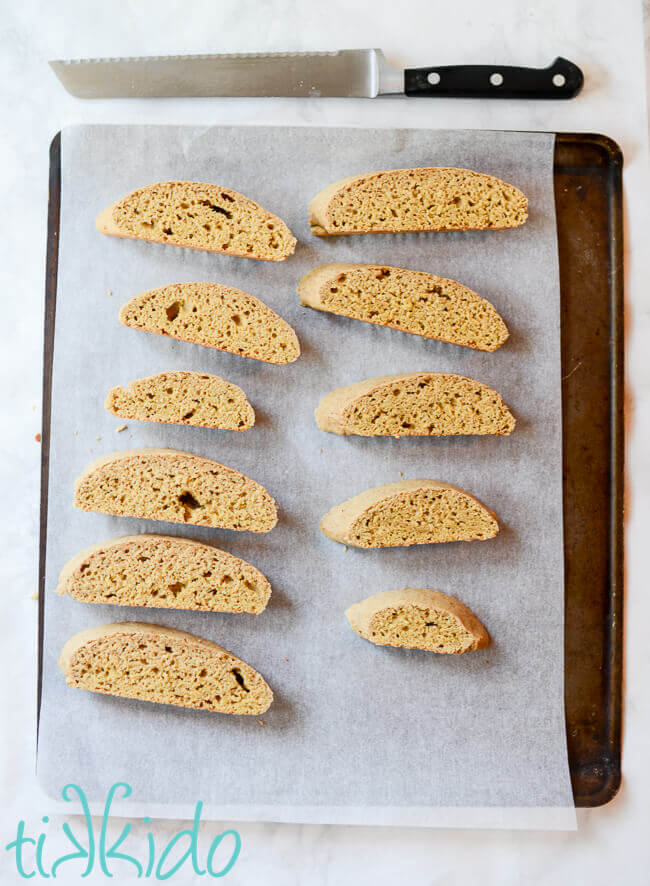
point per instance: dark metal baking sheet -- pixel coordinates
(588, 194)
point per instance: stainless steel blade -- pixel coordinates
(348, 73)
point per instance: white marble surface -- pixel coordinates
(607, 40)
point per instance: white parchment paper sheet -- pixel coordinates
(410, 737)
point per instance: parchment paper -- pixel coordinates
(357, 733)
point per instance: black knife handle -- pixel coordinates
(562, 79)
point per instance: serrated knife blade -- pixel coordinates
(348, 73)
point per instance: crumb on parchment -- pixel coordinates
(120, 429)
(37, 437)
(34, 596)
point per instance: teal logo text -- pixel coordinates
(92, 851)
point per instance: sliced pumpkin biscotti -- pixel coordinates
(410, 512)
(415, 404)
(432, 198)
(153, 663)
(166, 484)
(411, 301)
(418, 618)
(164, 572)
(183, 398)
(215, 316)
(199, 216)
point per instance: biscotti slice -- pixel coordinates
(153, 663)
(183, 398)
(428, 199)
(199, 216)
(410, 512)
(164, 572)
(215, 316)
(411, 301)
(415, 404)
(165, 484)
(418, 618)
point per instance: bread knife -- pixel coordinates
(349, 73)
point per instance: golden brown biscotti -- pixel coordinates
(164, 572)
(409, 512)
(415, 404)
(215, 316)
(418, 618)
(166, 484)
(199, 216)
(433, 198)
(183, 398)
(153, 663)
(411, 301)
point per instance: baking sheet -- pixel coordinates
(357, 733)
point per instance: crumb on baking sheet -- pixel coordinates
(575, 369)
(261, 722)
